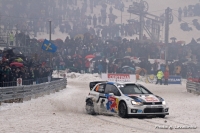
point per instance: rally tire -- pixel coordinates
(123, 110)
(90, 107)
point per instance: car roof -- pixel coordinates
(121, 83)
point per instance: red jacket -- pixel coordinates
(87, 63)
(166, 74)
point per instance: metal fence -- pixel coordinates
(193, 87)
(31, 91)
(24, 82)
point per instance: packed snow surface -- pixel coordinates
(64, 112)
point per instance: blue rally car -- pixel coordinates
(124, 99)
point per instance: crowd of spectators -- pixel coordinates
(109, 56)
(71, 16)
(113, 55)
(98, 34)
(189, 11)
(14, 66)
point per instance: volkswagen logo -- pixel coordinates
(153, 103)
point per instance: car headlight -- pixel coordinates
(136, 103)
(163, 102)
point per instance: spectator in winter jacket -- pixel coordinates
(166, 76)
(159, 77)
(162, 67)
(155, 67)
(178, 70)
(87, 65)
(100, 67)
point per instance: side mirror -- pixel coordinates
(111, 94)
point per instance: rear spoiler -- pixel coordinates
(92, 84)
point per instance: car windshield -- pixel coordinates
(133, 89)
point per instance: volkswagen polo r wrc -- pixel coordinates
(124, 99)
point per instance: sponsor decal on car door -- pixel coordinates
(112, 103)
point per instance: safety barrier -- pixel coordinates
(27, 92)
(24, 82)
(193, 87)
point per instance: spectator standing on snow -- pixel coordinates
(11, 39)
(159, 77)
(99, 20)
(111, 9)
(178, 70)
(91, 5)
(155, 67)
(185, 11)
(100, 67)
(94, 20)
(87, 65)
(166, 76)
(89, 20)
(180, 14)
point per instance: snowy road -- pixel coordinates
(64, 112)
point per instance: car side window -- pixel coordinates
(100, 88)
(112, 89)
(115, 91)
(108, 89)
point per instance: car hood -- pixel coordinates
(145, 97)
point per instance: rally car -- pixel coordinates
(124, 99)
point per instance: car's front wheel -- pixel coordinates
(122, 110)
(90, 107)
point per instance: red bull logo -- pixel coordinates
(112, 104)
(151, 99)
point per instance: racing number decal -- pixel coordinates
(100, 96)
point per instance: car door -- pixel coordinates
(112, 99)
(100, 97)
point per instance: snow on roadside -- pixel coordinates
(87, 77)
(78, 76)
(60, 112)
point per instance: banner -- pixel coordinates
(151, 79)
(118, 77)
(174, 79)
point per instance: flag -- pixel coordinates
(49, 47)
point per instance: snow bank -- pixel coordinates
(83, 77)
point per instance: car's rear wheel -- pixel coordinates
(90, 107)
(161, 116)
(122, 110)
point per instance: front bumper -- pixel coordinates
(148, 110)
(147, 114)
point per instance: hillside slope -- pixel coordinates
(156, 7)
